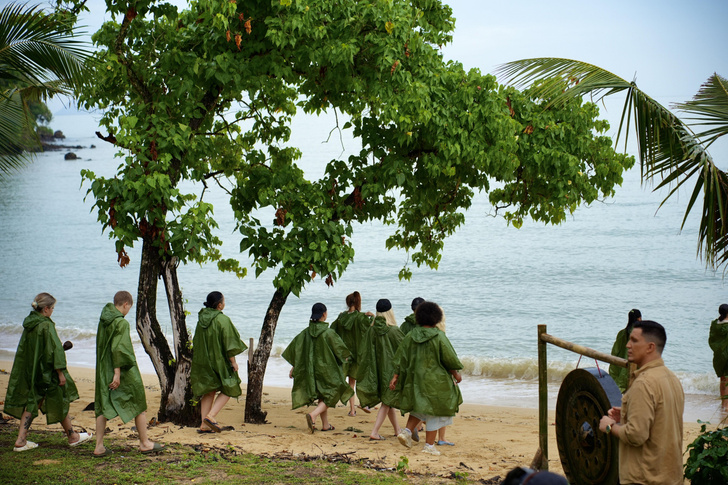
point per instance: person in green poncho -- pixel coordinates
(214, 368)
(718, 341)
(351, 326)
(39, 379)
(317, 354)
(619, 349)
(376, 351)
(409, 321)
(119, 386)
(425, 376)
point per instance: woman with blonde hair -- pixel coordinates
(39, 379)
(351, 326)
(377, 350)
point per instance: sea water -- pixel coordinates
(495, 283)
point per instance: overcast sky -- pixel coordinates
(670, 47)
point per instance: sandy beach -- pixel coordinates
(489, 440)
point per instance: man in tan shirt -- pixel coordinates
(649, 424)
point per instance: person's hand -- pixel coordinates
(369, 314)
(457, 376)
(290, 374)
(604, 422)
(616, 414)
(235, 365)
(393, 382)
(61, 378)
(115, 382)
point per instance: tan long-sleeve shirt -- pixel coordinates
(650, 440)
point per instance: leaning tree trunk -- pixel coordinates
(173, 373)
(256, 367)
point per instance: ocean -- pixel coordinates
(495, 283)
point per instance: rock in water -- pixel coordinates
(70, 156)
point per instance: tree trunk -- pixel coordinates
(256, 369)
(173, 377)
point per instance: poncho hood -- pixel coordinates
(206, 316)
(317, 328)
(423, 334)
(33, 320)
(109, 314)
(380, 326)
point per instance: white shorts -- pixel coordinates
(433, 423)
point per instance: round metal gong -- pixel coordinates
(588, 456)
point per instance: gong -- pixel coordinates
(588, 456)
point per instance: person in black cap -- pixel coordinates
(316, 355)
(377, 350)
(718, 341)
(351, 326)
(409, 320)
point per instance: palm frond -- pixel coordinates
(668, 148)
(709, 108)
(13, 123)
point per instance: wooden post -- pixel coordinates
(543, 401)
(250, 352)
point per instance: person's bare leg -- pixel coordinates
(325, 419)
(141, 426)
(205, 406)
(724, 392)
(25, 421)
(72, 435)
(320, 409)
(392, 413)
(381, 415)
(352, 404)
(412, 422)
(100, 431)
(430, 437)
(217, 406)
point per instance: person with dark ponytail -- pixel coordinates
(718, 341)
(39, 380)
(214, 368)
(619, 349)
(351, 326)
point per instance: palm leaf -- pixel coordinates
(709, 108)
(13, 123)
(668, 148)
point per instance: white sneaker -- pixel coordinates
(405, 437)
(431, 450)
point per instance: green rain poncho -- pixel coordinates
(215, 341)
(408, 324)
(425, 385)
(114, 349)
(351, 327)
(316, 355)
(34, 381)
(376, 351)
(718, 341)
(619, 349)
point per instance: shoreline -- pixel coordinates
(489, 440)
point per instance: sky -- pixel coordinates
(669, 47)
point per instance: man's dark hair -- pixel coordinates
(428, 314)
(653, 332)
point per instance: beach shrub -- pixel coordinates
(707, 462)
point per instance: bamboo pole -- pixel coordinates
(543, 400)
(580, 349)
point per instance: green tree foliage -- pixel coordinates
(671, 150)
(207, 95)
(39, 57)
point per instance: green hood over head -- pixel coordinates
(423, 334)
(33, 320)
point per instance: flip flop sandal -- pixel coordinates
(330, 428)
(379, 438)
(352, 415)
(365, 409)
(29, 445)
(205, 431)
(213, 425)
(107, 452)
(448, 443)
(82, 437)
(309, 422)
(156, 449)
